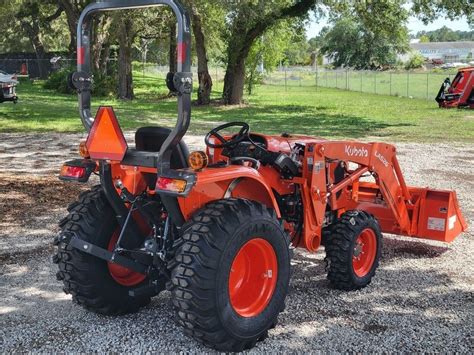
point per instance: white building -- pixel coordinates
(448, 52)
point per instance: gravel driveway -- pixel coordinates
(420, 300)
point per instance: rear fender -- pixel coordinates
(230, 182)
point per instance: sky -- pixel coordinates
(414, 25)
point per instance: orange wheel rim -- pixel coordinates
(365, 250)
(253, 277)
(120, 274)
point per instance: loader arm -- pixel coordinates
(380, 160)
(400, 209)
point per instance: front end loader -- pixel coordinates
(218, 227)
(460, 92)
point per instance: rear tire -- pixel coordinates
(226, 244)
(353, 249)
(87, 278)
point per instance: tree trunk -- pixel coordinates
(237, 51)
(125, 90)
(104, 59)
(33, 32)
(205, 80)
(242, 39)
(234, 82)
(72, 15)
(172, 54)
(101, 37)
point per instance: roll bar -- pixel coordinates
(82, 79)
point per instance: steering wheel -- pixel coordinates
(239, 137)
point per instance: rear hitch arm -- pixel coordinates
(75, 242)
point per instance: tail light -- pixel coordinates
(170, 185)
(73, 172)
(77, 170)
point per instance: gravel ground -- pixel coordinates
(420, 300)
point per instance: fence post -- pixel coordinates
(408, 83)
(285, 80)
(217, 76)
(347, 80)
(361, 81)
(427, 85)
(375, 82)
(390, 83)
(316, 80)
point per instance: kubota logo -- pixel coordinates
(353, 151)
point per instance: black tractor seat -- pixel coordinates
(150, 139)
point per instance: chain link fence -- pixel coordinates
(422, 85)
(34, 68)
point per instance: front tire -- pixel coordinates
(96, 285)
(230, 275)
(353, 249)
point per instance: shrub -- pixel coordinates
(416, 61)
(103, 85)
(58, 81)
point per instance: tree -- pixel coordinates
(350, 44)
(283, 42)
(100, 51)
(248, 20)
(34, 19)
(445, 34)
(204, 78)
(126, 36)
(172, 47)
(424, 39)
(429, 10)
(73, 9)
(13, 38)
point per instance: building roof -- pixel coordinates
(443, 45)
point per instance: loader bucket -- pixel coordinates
(439, 215)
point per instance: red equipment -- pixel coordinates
(459, 93)
(217, 228)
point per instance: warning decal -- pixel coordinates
(451, 222)
(436, 224)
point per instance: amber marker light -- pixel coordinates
(172, 185)
(198, 160)
(83, 152)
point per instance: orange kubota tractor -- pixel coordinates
(217, 228)
(460, 92)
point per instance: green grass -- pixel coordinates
(329, 113)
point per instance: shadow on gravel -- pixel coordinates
(413, 249)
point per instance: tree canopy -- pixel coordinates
(240, 35)
(445, 34)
